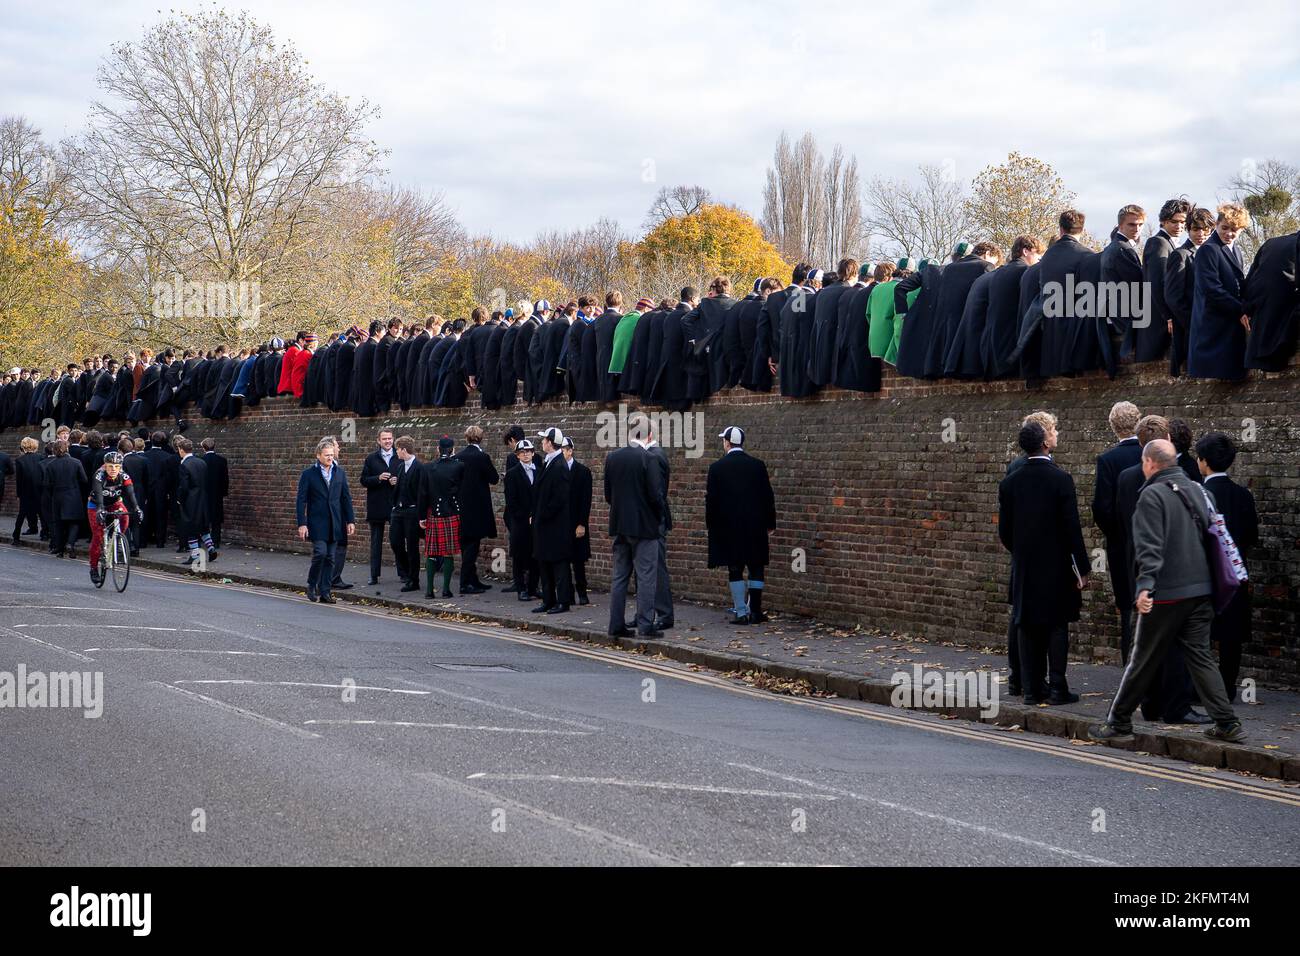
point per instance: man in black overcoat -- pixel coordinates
(740, 513)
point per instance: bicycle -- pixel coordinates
(115, 555)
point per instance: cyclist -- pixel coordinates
(110, 491)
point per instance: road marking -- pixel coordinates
(506, 707)
(929, 815)
(69, 607)
(47, 645)
(649, 785)
(562, 823)
(1099, 757)
(186, 650)
(294, 683)
(242, 712)
(412, 723)
(121, 627)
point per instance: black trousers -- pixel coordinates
(214, 528)
(64, 534)
(1044, 651)
(469, 548)
(736, 572)
(376, 548)
(1232, 630)
(28, 511)
(156, 512)
(404, 536)
(557, 586)
(579, 576)
(1014, 680)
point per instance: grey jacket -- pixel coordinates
(1167, 544)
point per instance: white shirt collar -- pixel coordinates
(736, 448)
(1216, 474)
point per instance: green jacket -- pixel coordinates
(623, 341)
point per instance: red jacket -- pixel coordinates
(286, 369)
(298, 380)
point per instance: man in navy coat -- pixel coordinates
(1217, 341)
(325, 516)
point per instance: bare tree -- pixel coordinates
(675, 201)
(917, 219)
(31, 172)
(812, 206)
(1271, 192)
(215, 155)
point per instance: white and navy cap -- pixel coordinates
(524, 445)
(567, 443)
(815, 275)
(733, 434)
(541, 305)
(277, 343)
(554, 434)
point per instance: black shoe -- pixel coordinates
(759, 618)
(446, 592)
(739, 619)
(188, 561)
(650, 633)
(664, 624)
(340, 586)
(135, 554)
(1057, 700)
(372, 582)
(559, 609)
(1231, 732)
(543, 608)
(1014, 690)
(15, 539)
(72, 553)
(1106, 732)
(328, 599)
(312, 597)
(583, 599)
(525, 596)
(429, 595)
(1192, 717)
(620, 632)
(1031, 701)
(213, 554)
(410, 586)
(94, 576)
(472, 590)
(57, 554)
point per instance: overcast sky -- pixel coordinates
(552, 115)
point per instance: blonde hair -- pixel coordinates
(1046, 419)
(28, 444)
(1123, 418)
(1234, 214)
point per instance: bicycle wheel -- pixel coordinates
(104, 551)
(121, 562)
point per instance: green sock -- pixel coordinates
(448, 565)
(429, 568)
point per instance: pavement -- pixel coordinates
(243, 725)
(798, 656)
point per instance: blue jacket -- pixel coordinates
(1217, 342)
(326, 511)
(245, 373)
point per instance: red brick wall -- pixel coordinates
(898, 525)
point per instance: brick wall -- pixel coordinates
(891, 497)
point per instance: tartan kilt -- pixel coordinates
(442, 536)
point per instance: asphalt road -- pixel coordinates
(302, 734)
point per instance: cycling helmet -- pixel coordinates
(113, 458)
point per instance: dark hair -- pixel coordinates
(125, 445)
(800, 273)
(208, 444)
(1180, 433)
(158, 438)
(95, 439)
(515, 432)
(1071, 221)
(690, 293)
(185, 446)
(1217, 450)
(1032, 437)
(1173, 207)
(1025, 244)
(376, 327)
